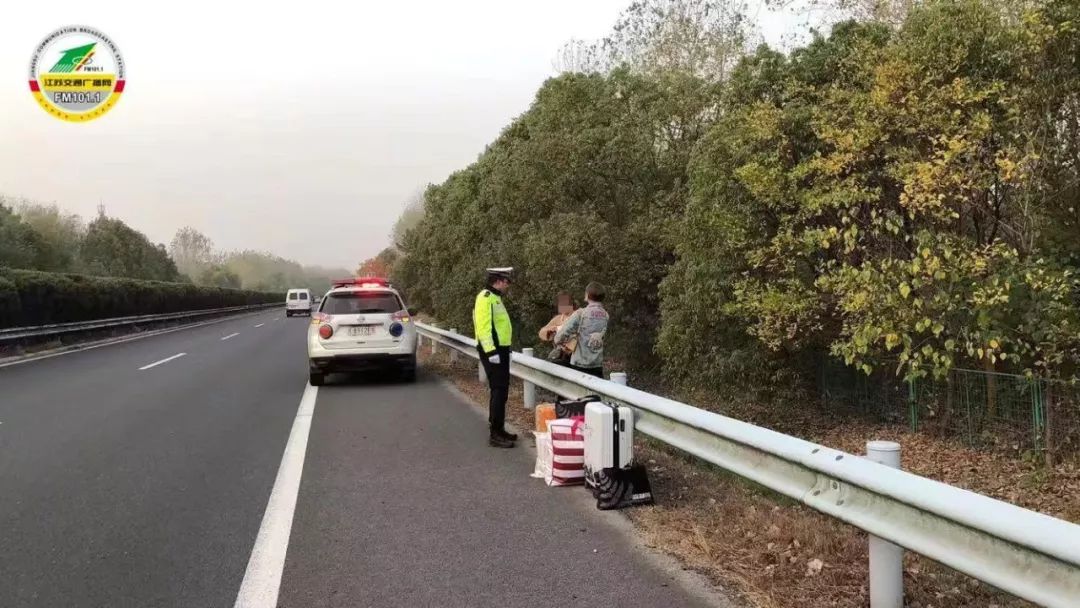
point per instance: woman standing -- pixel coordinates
(559, 353)
(587, 328)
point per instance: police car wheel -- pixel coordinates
(315, 379)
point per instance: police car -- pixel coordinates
(362, 324)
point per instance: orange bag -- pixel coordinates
(545, 412)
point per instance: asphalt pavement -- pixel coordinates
(179, 470)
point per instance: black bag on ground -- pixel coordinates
(616, 488)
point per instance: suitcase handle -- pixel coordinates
(618, 426)
(615, 437)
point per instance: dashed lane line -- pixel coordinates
(165, 360)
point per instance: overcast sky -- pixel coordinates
(300, 131)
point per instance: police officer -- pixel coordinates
(493, 335)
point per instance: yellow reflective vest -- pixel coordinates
(490, 322)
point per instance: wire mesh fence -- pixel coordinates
(879, 396)
(982, 409)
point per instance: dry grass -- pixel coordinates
(776, 553)
(1054, 491)
(763, 545)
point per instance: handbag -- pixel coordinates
(559, 355)
(544, 456)
(567, 454)
(569, 408)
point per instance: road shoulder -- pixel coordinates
(402, 503)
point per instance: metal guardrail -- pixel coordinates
(1033, 556)
(41, 331)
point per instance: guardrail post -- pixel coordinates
(530, 388)
(886, 559)
(618, 378)
(453, 351)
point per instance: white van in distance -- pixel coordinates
(298, 302)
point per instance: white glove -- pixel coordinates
(494, 359)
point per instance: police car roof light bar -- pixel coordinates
(362, 282)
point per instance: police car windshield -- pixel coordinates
(359, 303)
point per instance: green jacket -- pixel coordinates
(490, 321)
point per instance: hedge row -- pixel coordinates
(29, 297)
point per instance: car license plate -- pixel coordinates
(362, 330)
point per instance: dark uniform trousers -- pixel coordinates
(498, 377)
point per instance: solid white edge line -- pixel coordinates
(232, 335)
(262, 579)
(260, 324)
(165, 360)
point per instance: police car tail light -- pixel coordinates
(325, 331)
(402, 316)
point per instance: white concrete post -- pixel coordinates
(618, 378)
(453, 351)
(530, 388)
(886, 559)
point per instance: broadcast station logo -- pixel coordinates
(77, 73)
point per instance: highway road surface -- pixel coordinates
(197, 469)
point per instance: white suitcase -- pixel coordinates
(609, 438)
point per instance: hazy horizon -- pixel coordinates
(304, 154)
(307, 154)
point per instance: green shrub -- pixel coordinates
(9, 299)
(29, 297)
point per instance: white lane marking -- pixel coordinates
(232, 335)
(260, 324)
(78, 348)
(165, 360)
(276, 318)
(262, 579)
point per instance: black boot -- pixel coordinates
(511, 436)
(498, 441)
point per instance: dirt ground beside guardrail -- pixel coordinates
(777, 553)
